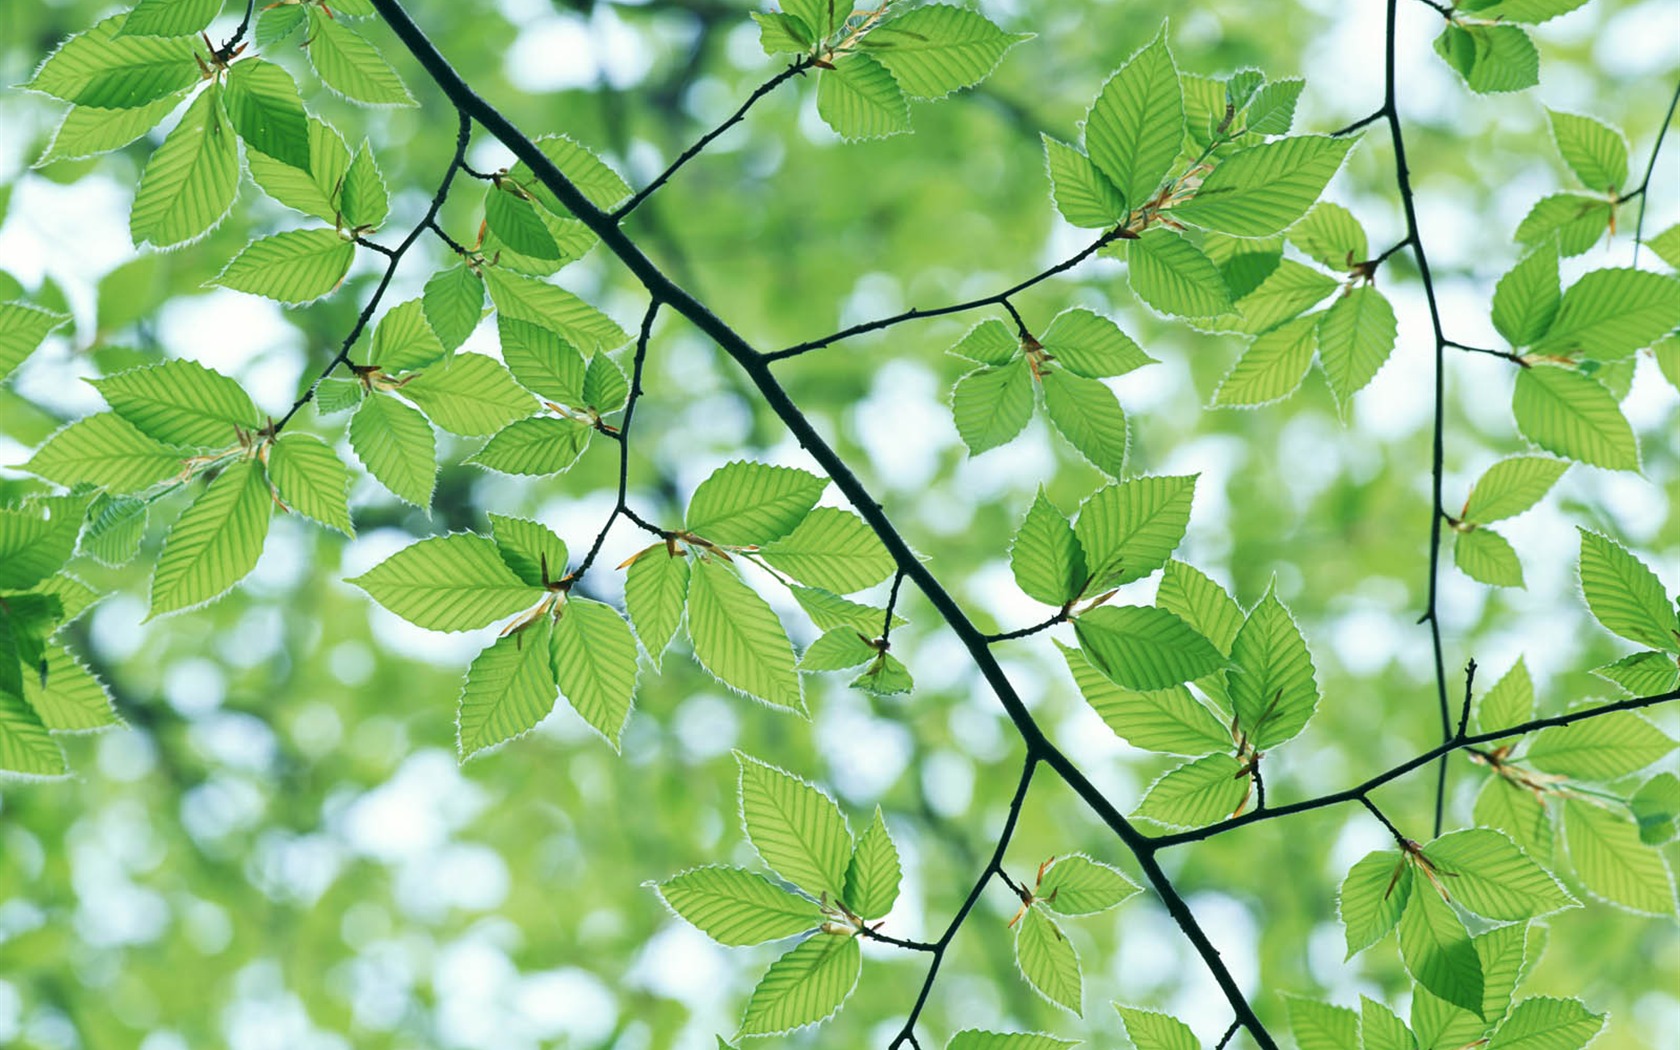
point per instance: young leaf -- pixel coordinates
(1547, 1024)
(829, 611)
(1078, 885)
(860, 99)
(404, 341)
(1502, 952)
(34, 546)
(885, 676)
(1272, 681)
(25, 746)
(1046, 558)
(1511, 486)
(1172, 275)
(1321, 1026)
(1626, 596)
(1493, 878)
(796, 827)
(595, 664)
(1090, 345)
(1594, 151)
(935, 50)
(992, 405)
(169, 18)
(88, 132)
(1272, 367)
(1611, 861)
(190, 181)
(655, 589)
(1288, 289)
(72, 698)
(1510, 701)
(1264, 189)
(215, 542)
(310, 477)
(1169, 720)
(315, 189)
(22, 329)
(1197, 793)
(604, 387)
(181, 402)
(989, 343)
(873, 875)
(833, 549)
(1566, 412)
(454, 304)
(509, 689)
(1082, 193)
(1381, 1029)
(1642, 674)
(805, 986)
(1526, 300)
(538, 302)
(542, 360)
(469, 394)
(1438, 951)
(735, 907)
(599, 183)
(1189, 594)
(1329, 234)
(1513, 809)
(1486, 556)
(294, 267)
(532, 550)
(1604, 749)
(1130, 529)
(838, 650)
(745, 504)
(510, 214)
(1490, 58)
(104, 449)
(351, 66)
(1047, 960)
(1087, 413)
(822, 18)
(365, 201)
(1656, 809)
(115, 528)
(1576, 221)
(738, 638)
(456, 582)
(1149, 1030)
(264, 107)
(1355, 338)
(397, 446)
(1136, 125)
(782, 34)
(104, 69)
(1609, 314)
(1142, 647)
(538, 446)
(1373, 896)
(976, 1039)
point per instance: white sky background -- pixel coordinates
(77, 233)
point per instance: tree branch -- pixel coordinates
(1645, 184)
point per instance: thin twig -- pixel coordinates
(1645, 184)
(622, 507)
(1365, 800)
(1469, 694)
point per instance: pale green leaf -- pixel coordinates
(735, 907)
(1526, 300)
(108, 70)
(1197, 793)
(1381, 1028)
(315, 190)
(655, 589)
(1490, 876)
(1329, 234)
(115, 527)
(992, 405)
(1264, 189)
(604, 387)
(744, 504)
(1272, 367)
(469, 394)
(365, 202)
(1486, 556)
(509, 689)
(833, 549)
(1626, 596)
(1082, 193)
(738, 638)
(215, 542)
(1571, 414)
(1373, 896)
(264, 107)
(1490, 58)
(1547, 1024)
(935, 50)
(1193, 597)
(1168, 720)
(1136, 124)
(542, 360)
(1510, 702)
(454, 304)
(397, 446)
(1272, 681)
(1577, 221)
(1321, 1026)
(1604, 748)
(403, 341)
(860, 99)
(1086, 412)
(1513, 809)
(456, 582)
(181, 402)
(104, 449)
(190, 181)
(873, 874)
(595, 664)
(1596, 152)
(25, 745)
(1090, 345)
(1438, 951)
(795, 826)
(989, 343)
(532, 550)
(538, 302)
(22, 329)
(1172, 275)
(1047, 960)
(1656, 809)
(310, 477)
(1130, 529)
(1149, 1030)
(1611, 861)
(536, 447)
(352, 67)
(170, 17)
(1511, 486)
(1642, 674)
(805, 986)
(1355, 338)
(1077, 885)
(294, 267)
(1046, 558)
(1609, 314)
(71, 698)
(599, 183)
(87, 131)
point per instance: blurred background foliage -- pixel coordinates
(280, 849)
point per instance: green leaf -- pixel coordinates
(1642, 674)
(1321, 1026)
(1077, 885)
(542, 360)
(738, 638)
(1566, 412)
(1047, 960)
(829, 611)
(108, 70)
(885, 676)
(264, 107)
(87, 131)
(1264, 189)
(191, 180)
(934, 50)
(1490, 58)
(456, 582)
(1514, 810)
(532, 550)
(1609, 314)
(315, 190)
(1594, 151)
(309, 476)
(1286, 291)
(604, 387)
(1666, 244)
(469, 394)
(1510, 702)
(1355, 337)
(1272, 110)
(536, 447)
(1503, 953)
(1547, 1024)
(873, 875)
(1373, 896)
(1136, 125)
(1611, 861)
(538, 302)
(1193, 597)
(838, 650)
(1087, 413)
(736, 908)
(833, 549)
(454, 304)
(104, 449)
(276, 24)
(655, 588)
(1046, 558)
(511, 216)
(25, 746)
(22, 329)
(169, 17)
(822, 17)
(1169, 720)
(72, 699)
(989, 343)
(1486, 556)
(805, 986)
(1656, 809)
(599, 183)
(1329, 234)
(366, 202)
(294, 267)
(595, 664)
(976, 1039)
(397, 446)
(216, 541)
(795, 826)
(860, 99)
(352, 67)
(992, 405)
(745, 504)
(1626, 596)
(1149, 1030)
(1381, 1029)
(1604, 748)
(1090, 345)
(1172, 275)
(1082, 193)
(1438, 951)
(1130, 529)
(1526, 300)
(403, 341)
(781, 34)
(509, 688)
(1490, 876)
(1272, 367)
(115, 528)
(1272, 681)
(1525, 10)
(181, 402)
(1511, 486)
(1144, 648)
(1199, 792)
(1576, 221)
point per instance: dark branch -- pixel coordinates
(1651, 166)
(1365, 800)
